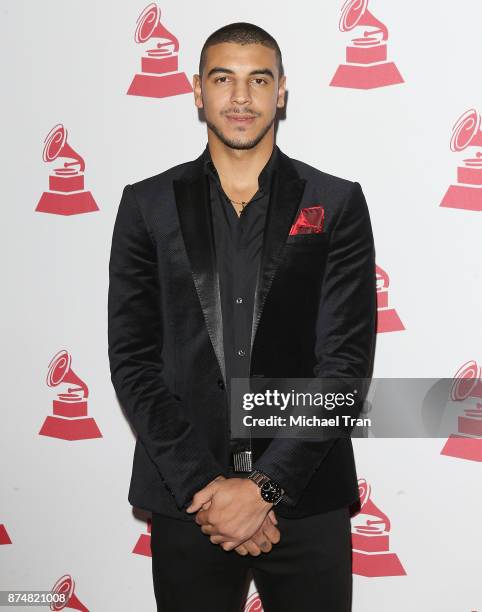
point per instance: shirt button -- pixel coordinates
(241, 353)
(239, 300)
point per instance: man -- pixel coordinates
(208, 283)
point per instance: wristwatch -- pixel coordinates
(269, 489)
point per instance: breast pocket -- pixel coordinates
(307, 240)
(304, 257)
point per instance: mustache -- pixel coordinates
(237, 111)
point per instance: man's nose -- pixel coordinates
(241, 94)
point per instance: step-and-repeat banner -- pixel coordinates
(97, 95)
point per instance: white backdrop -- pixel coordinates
(64, 506)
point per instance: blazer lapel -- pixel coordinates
(194, 211)
(285, 196)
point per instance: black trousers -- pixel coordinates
(308, 570)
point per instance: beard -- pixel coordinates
(233, 143)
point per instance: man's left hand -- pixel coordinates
(235, 513)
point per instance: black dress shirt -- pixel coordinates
(238, 242)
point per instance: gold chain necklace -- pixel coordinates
(242, 204)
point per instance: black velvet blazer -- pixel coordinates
(314, 315)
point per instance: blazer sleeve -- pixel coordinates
(181, 457)
(345, 339)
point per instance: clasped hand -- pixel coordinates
(233, 513)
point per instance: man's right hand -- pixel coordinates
(263, 539)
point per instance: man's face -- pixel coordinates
(240, 90)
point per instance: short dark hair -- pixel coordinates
(243, 34)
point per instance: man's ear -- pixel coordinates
(281, 92)
(196, 85)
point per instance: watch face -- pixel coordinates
(270, 491)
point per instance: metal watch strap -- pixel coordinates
(259, 478)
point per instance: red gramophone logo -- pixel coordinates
(467, 193)
(64, 589)
(70, 420)
(143, 545)
(467, 388)
(66, 195)
(370, 539)
(387, 318)
(253, 603)
(4, 537)
(366, 57)
(159, 76)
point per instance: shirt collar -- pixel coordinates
(264, 178)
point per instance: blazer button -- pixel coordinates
(220, 384)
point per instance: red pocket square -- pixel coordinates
(309, 221)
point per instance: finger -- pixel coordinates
(225, 544)
(240, 548)
(263, 543)
(200, 498)
(272, 516)
(271, 531)
(218, 539)
(252, 547)
(208, 530)
(215, 536)
(202, 517)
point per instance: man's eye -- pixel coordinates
(260, 81)
(221, 79)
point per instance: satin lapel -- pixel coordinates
(194, 211)
(286, 194)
